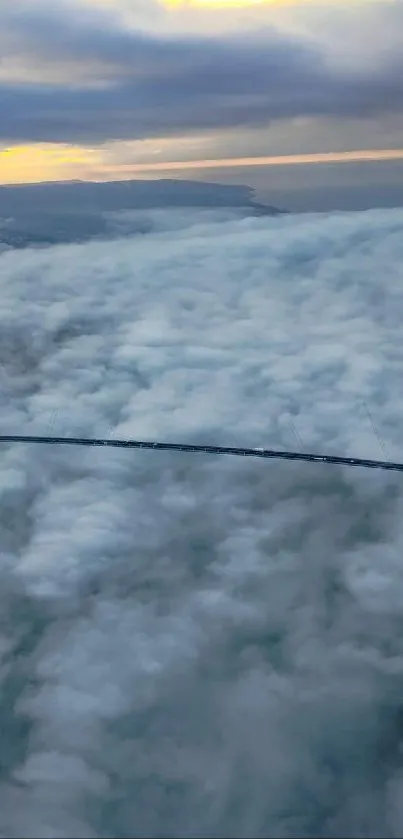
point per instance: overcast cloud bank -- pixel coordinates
(154, 84)
(190, 646)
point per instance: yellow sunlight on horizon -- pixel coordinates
(222, 4)
(50, 162)
(239, 4)
(44, 162)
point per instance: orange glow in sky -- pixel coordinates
(278, 160)
(50, 162)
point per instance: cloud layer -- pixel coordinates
(164, 84)
(191, 646)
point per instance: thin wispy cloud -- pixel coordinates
(279, 160)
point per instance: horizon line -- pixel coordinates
(319, 158)
(358, 155)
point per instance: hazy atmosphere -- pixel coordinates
(201, 241)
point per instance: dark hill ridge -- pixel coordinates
(70, 211)
(123, 195)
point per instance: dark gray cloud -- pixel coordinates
(164, 84)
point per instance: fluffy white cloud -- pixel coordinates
(192, 645)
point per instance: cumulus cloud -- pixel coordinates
(195, 646)
(167, 84)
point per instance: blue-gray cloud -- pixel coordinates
(190, 646)
(162, 85)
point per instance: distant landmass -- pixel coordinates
(75, 211)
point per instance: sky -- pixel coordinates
(197, 646)
(102, 90)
